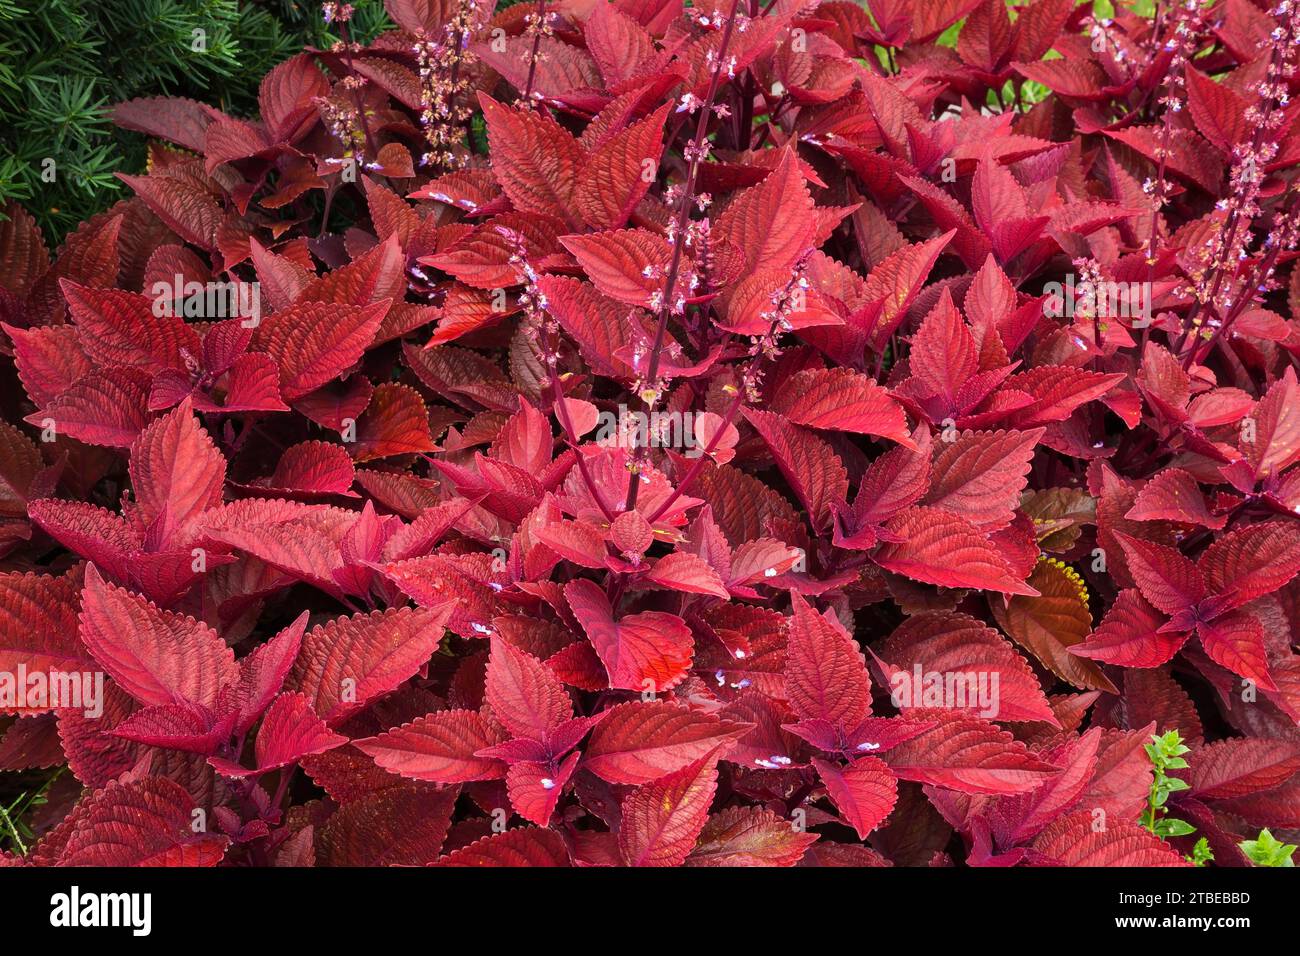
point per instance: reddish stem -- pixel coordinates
(727, 418)
(566, 422)
(679, 235)
(540, 14)
(1234, 222)
(699, 462)
(357, 99)
(1166, 138)
(1247, 296)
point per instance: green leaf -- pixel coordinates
(1201, 853)
(1267, 850)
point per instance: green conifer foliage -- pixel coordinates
(64, 63)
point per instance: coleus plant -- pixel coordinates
(621, 433)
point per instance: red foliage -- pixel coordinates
(375, 517)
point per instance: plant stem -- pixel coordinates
(283, 786)
(698, 464)
(13, 831)
(680, 238)
(745, 379)
(540, 14)
(1233, 223)
(1239, 306)
(566, 422)
(1166, 136)
(357, 99)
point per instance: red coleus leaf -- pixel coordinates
(1246, 564)
(482, 259)
(398, 826)
(1077, 79)
(48, 360)
(157, 656)
(971, 756)
(177, 474)
(944, 356)
(535, 160)
(282, 278)
(637, 742)
(895, 282)
(122, 328)
(373, 277)
(350, 660)
(701, 57)
(578, 541)
(32, 743)
(108, 406)
(186, 207)
(938, 644)
(771, 223)
(1130, 635)
(1237, 767)
(312, 343)
(285, 97)
(262, 673)
(649, 651)
(1219, 112)
(143, 822)
(1120, 783)
(302, 541)
(1018, 818)
(313, 468)
(1251, 562)
(841, 400)
(619, 44)
(27, 258)
(1173, 495)
(1001, 210)
(524, 846)
(396, 422)
(807, 463)
(290, 730)
(536, 786)
(1236, 641)
(618, 173)
(864, 791)
(441, 747)
(1170, 581)
(38, 622)
(741, 836)
(591, 319)
(825, 675)
(1074, 841)
(95, 533)
(941, 548)
(525, 695)
(681, 571)
(892, 482)
(178, 726)
(1275, 442)
(662, 820)
(1056, 391)
(624, 264)
(979, 476)
(986, 39)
